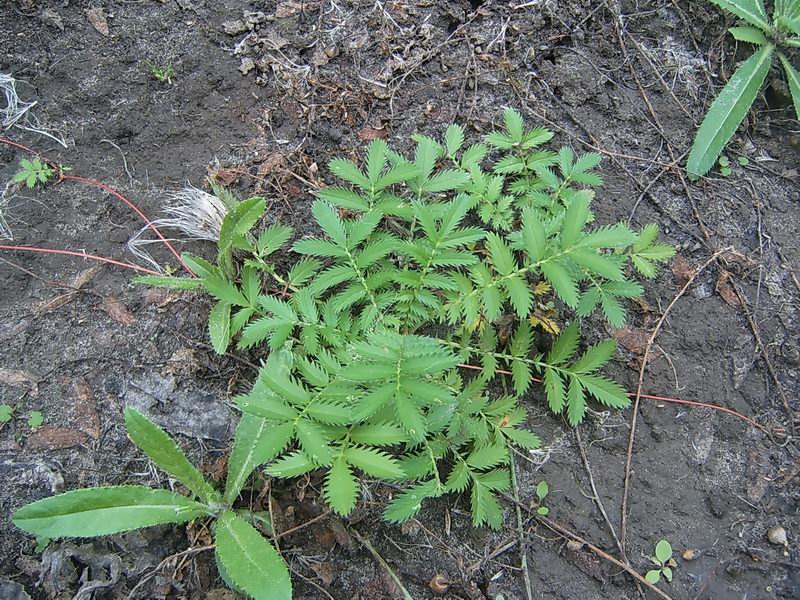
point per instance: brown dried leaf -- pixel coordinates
(682, 269)
(85, 409)
(725, 289)
(50, 437)
(325, 571)
(633, 340)
(97, 17)
(117, 311)
(371, 133)
(19, 378)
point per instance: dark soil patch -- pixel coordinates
(324, 77)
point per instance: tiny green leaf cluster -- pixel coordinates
(662, 559)
(772, 37)
(388, 337)
(33, 172)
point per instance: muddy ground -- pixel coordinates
(630, 79)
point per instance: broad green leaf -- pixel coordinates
(663, 551)
(653, 576)
(219, 327)
(751, 35)
(105, 510)
(793, 77)
(164, 452)
(751, 11)
(542, 489)
(728, 111)
(250, 563)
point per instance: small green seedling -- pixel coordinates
(724, 166)
(663, 561)
(162, 74)
(6, 413)
(541, 493)
(35, 420)
(42, 543)
(743, 160)
(33, 172)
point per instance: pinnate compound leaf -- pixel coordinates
(99, 511)
(249, 562)
(728, 110)
(164, 452)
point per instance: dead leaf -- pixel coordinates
(633, 340)
(371, 133)
(52, 18)
(224, 176)
(19, 378)
(272, 162)
(85, 409)
(97, 17)
(725, 289)
(682, 269)
(217, 469)
(50, 437)
(117, 311)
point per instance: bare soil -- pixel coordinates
(629, 78)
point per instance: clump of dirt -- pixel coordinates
(264, 94)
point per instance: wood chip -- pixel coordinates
(97, 17)
(55, 438)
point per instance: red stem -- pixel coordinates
(111, 191)
(82, 255)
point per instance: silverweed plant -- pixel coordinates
(387, 336)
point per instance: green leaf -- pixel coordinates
(751, 35)
(453, 139)
(99, 511)
(292, 465)
(408, 504)
(576, 402)
(542, 489)
(595, 357)
(751, 11)
(378, 434)
(373, 462)
(219, 327)
(164, 452)
(565, 345)
(485, 457)
(273, 238)
(728, 110)
(346, 170)
(239, 221)
(653, 576)
(793, 77)
(329, 221)
(607, 392)
(485, 507)
(250, 563)
(314, 442)
(514, 124)
(35, 420)
(554, 389)
(667, 573)
(663, 551)
(6, 412)
(341, 487)
(533, 234)
(257, 441)
(563, 283)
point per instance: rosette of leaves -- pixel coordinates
(422, 265)
(246, 560)
(773, 38)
